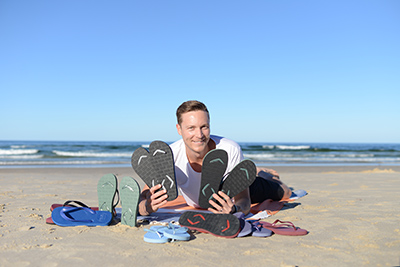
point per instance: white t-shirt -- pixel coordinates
(187, 179)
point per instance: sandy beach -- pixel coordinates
(352, 215)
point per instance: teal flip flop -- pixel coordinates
(106, 191)
(130, 192)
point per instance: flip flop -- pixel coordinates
(154, 236)
(221, 225)
(130, 192)
(212, 171)
(259, 231)
(246, 228)
(284, 228)
(298, 194)
(49, 220)
(156, 166)
(240, 178)
(72, 203)
(106, 191)
(69, 203)
(174, 232)
(76, 216)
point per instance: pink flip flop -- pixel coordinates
(284, 228)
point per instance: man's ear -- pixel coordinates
(178, 128)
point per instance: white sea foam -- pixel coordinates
(16, 146)
(259, 156)
(18, 151)
(268, 146)
(91, 154)
(283, 147)
(21, 157)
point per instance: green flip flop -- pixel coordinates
(130, 192)
(106, 192)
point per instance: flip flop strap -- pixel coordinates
(286, 223)
(65, 214)
(81, 204)
(160, 235)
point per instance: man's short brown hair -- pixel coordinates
(191, 105)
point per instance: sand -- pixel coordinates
(352, 215)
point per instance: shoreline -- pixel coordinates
(351, 214)
(278, 168)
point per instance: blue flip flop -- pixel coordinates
(298, 194)
(76, 216)
(245, 226)
(259, 231)
(154, 236)
(174, 232)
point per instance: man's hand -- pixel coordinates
(225, 203)
(153, 199)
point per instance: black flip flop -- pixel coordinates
(212, 171)
(156, 166)
(241, 177)
(221, 225)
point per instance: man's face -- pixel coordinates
(195, 130)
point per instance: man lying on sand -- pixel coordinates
(194, 127)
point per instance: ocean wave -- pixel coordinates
(259, 156)
(284, 147)
(341, 159)
(5, 163)
(21, 157)
(18, 146)
(18, 151)
(92, 154)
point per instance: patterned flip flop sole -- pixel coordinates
(213, 169)
(240, 178)
(221, 225)
(156, 166)
(130, 192)
(106, 191)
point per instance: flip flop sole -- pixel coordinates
(77, 216)
(240, 178)
(129, 191)
(156, 166)
(212, 171)
(286, 228)
(106, 191)
(221, 225)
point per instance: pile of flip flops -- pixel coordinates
(235, 225)
(76, 213)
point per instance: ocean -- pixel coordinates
(28, 154)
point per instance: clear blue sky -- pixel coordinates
(271, 71)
